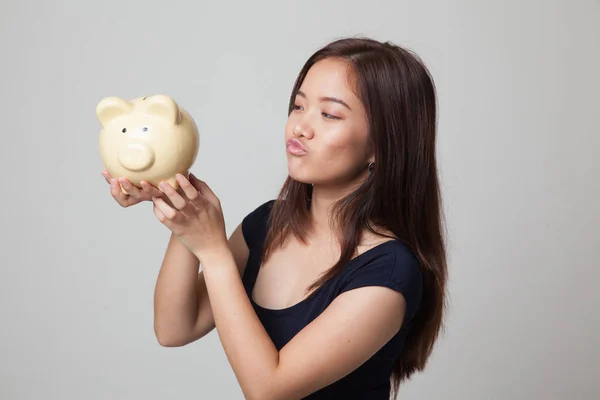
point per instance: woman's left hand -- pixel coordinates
(196, 218)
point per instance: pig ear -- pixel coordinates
(165, 107)
(110, 108)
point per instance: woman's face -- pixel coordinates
(329, 122)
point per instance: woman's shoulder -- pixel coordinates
(391, 264)
(391, 256)
(258, 213)
(255, 222)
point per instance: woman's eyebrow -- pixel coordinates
(327, 98)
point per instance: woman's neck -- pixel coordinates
(321, 206)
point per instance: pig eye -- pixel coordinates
(124, 130)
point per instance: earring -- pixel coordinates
(371, 166)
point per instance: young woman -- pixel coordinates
(339, 284)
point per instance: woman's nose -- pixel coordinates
(303, 128)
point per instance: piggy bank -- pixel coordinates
(148, 138)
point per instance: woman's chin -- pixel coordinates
(299, 177)
(299, 174)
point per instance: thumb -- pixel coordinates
(205, 191)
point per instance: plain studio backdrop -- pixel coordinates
(518, 85)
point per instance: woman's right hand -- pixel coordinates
(135, 196)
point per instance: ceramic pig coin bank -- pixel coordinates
(148, 138)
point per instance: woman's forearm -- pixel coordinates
(175, 295)
(250, 350)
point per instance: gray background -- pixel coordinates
(518, 144)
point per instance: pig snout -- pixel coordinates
(136, 157)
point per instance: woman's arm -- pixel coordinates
(354, 327)
(351, 330)
(182, 311)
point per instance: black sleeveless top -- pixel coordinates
(390, 264)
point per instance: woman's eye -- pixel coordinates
(330, 116)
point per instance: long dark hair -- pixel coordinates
(402, 192)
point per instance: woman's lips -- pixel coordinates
(294, 147)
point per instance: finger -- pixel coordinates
(159, 214)
(117, 194)
(205, 191)
(190, 191)
(148, 190)
(176, 199)
(131, 189)
(106, 176)
(164, 208)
